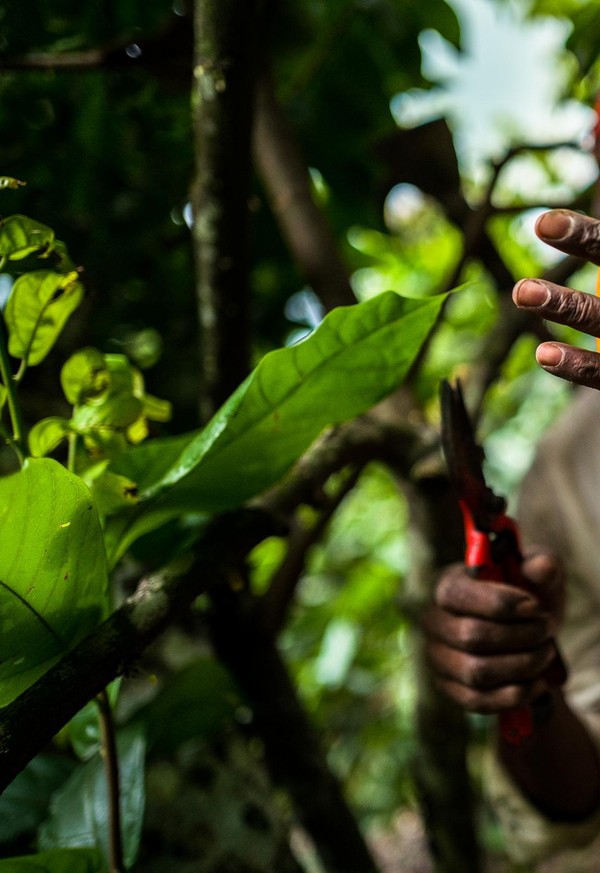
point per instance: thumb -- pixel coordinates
(544, 571)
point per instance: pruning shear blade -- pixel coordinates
(464, 457)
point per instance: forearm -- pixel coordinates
(558, 769)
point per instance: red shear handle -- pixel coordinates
(496, 556)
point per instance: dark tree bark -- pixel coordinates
(222, 101)
(284, 174)
(440, 765)
(292, 748)
(440, 768)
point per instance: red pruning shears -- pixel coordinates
(493, 550)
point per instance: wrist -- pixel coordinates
(543, 709)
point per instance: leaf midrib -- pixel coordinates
(264, 416)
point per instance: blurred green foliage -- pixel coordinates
(349, 645)
(108, 160)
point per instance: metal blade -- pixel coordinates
(464, 457)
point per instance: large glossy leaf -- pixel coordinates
(354, 359)
(79, 812)
(38, 307)
(53, 577)
(56, 861)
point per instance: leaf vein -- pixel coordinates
(37, 614)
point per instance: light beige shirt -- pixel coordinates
(560, 509)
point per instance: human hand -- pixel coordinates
(488, 643)
(577, 235)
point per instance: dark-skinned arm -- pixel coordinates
(488, 644)
(563, 737)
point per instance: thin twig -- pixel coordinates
(275, 602)
(111, 768)
(18, 442)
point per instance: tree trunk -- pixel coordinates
(222, 101)
(440, 766)
(292, 749)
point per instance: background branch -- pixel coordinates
(292, 747)
(31, 720)
(284, 174)
(275, 602)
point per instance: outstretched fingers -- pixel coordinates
(564, 306)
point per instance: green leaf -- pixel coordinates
(105, 442)
(56, 861)
(79, 812)
(60, 258)
(357, 356)
(53, 576)
(84, 377)
(46, 435)
(11, 182)
(38, 307)
(169, 718)
(116, 411)
(124, 376)
(110, 392)
(111, 492)
(156, 409)
(21, 236)
(24, 804)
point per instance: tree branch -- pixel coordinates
(357, 442)
(167, 55)
(442, 731)
(292, 747)
(32, 719)
(113, 781)
(275, 602)
(284, 174)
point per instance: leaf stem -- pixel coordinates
(6, 438)
(72, 455)
(18, 377)
(14, 409)
(111, 767)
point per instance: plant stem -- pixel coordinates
(111, 766)
(11, 396)
(72, 456)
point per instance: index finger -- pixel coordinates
(571, 233)
(561, 305)
(496, 601)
